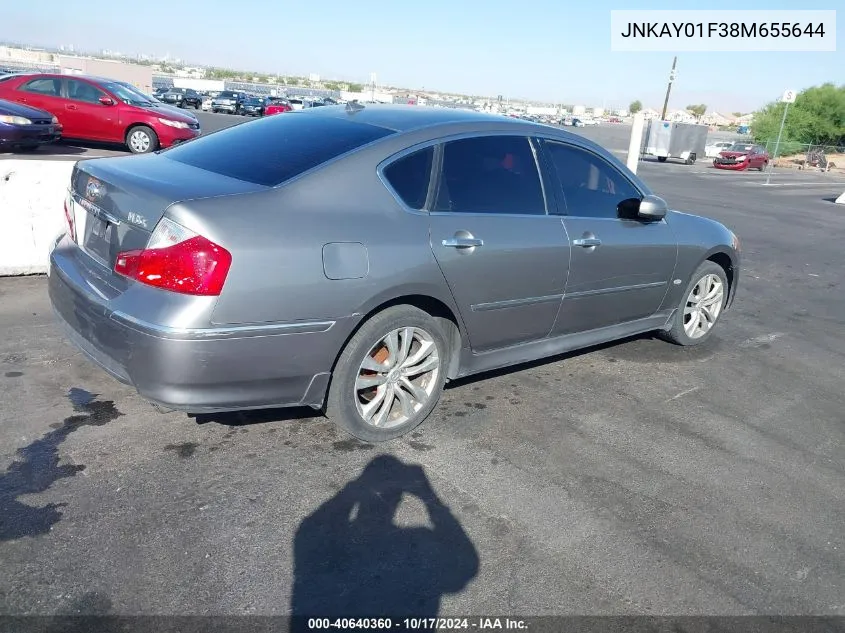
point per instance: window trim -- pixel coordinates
(481, 134)
(563, 208)
(394, 158)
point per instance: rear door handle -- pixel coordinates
(463, 242)
(586, 242)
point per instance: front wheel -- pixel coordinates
(389, 376)
(141, 140)
(661, 159)
(701, 306)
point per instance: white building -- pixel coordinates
(579, 110)
(650, 113)
(681, 116)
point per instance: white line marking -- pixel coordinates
(683, 393)
(757, 341)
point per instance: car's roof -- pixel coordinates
(404, 118)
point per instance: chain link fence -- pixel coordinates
(806, 155)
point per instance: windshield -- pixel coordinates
(128, 93)
(228, 95)
(740, 147)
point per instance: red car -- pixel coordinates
(741, 156)
(104, 110)
(277, 106)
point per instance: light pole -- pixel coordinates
(672, 76)
(787, 98)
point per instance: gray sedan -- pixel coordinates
(356, 259)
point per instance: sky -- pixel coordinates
(550, 50)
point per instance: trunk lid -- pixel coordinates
(117, 202)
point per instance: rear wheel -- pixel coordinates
(701, 306)
(141, 140)
(763, 165)
(691, 159)
(661, 159)
(389, 376)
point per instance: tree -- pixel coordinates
(737, 114)
(697, 110)
(356, 88)
(817, 116)
(635, 107)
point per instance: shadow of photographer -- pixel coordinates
(351, 559)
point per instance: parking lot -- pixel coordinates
(637, 478)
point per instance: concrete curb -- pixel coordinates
(32, 196)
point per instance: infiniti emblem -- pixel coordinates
(94, 190)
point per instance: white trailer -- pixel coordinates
(684, 141)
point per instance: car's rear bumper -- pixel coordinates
(195, 370)
(224, 108)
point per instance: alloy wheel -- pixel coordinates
(703, 306)
(397, 377)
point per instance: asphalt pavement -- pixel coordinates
(635, 478)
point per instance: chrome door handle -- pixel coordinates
(586, 242)
(463, 242)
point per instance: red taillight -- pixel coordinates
(178, 260)
(71, 226)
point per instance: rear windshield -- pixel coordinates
(270, 151)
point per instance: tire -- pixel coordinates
(677, 333)
(197, 105)
(691, 159)
(763, 166)
(345, 404)
(136, 145)
(661, 159)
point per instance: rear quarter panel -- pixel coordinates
(277, 236)
(699, 238)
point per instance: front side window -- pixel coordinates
(490, 174)
(83, 91)
(409, 177)
(591, 186)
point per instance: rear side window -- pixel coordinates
(273, 150)
(49, 87)
(409, 177)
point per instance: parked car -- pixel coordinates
(277, 106)
(103, 110)
(406, 247)
(228, 101)
(24, 128)
(713, 150)
(742, 156)
(182, 97)
(576, 122)
(254, 106)
(206, 104)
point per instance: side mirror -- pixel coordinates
(652, 208)
(107, 101)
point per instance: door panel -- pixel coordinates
(508, 289)
(621, 266)
(44, 93)
(623, 279)
(505, 260)
(87, 117)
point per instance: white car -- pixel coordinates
(206, 104)
(712, 150)
(590, 121)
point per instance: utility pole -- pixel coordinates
(672, 76)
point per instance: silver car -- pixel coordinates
(356, 259)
